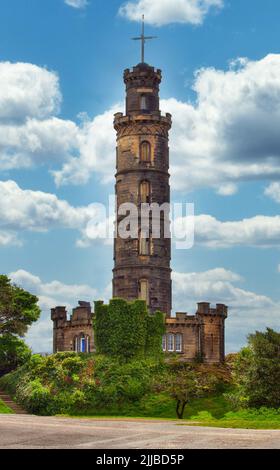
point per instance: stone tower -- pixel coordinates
(142, 263)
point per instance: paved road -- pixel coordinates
(33, 432)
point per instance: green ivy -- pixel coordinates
(127, 329)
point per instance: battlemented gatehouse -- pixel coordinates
(142, 266)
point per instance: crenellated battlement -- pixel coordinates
(204, 308)
(75, 334)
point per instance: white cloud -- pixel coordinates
(97, 152)
(8, 238)
(76, 3)
(248, 311)
(38, 211)
(231, 133)
(273, 191)
(260, 231)
(227, 189)
(30, 132)
(27, 90)
(162, 12)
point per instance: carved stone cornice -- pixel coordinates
(142, 125)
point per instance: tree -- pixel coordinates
(183, 382)
(257, 370)
(13, 353)
(18, 308)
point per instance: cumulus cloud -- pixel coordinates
(162, 12)
(76, 3)
(8, 238)
(97, 144)
(260, 231)
(38, 211)
(30, 131)
(27, 90)
(248, 311)
(231, 133)
(273, 191)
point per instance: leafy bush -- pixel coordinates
(13, 353)
(257, 372)
(71, 383)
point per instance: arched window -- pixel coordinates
(82, 343)
(145, 192)
(143, 102)
(144, 290)
(164, 343)
(145, 152)
(170, 342)
(178, 342)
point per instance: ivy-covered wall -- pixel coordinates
(126, 329)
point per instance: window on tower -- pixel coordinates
(145, 152)
(144, 290)
(143, 103)
(144, 245)
(145, 192)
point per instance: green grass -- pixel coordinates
(236, 424)
(4, 409)
(263, 418)
(218, 413)
(161, 406)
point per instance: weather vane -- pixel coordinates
(143, 39)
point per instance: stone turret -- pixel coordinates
(75, 334)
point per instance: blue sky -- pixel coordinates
(61, 66)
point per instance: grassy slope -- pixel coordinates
(4, 409)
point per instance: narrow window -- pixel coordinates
(145, 192)
(145, 152)
(164, 343)
(144, 290)
(144, 245)
(178, 343)
(143, 103)
(170, 343)
(82, 344)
